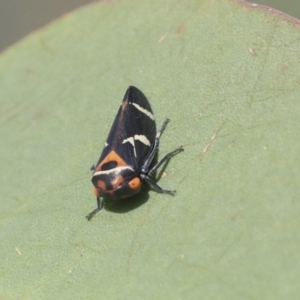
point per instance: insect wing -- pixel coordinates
(133, 131)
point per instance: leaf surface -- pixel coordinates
(227, 75)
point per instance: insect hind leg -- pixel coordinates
(154, 150)
(162, 128)
(156, 187)
(164, 159)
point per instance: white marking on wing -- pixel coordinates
(106, 144)
(143, 110)
(117, 170)
(143, 139)
(139, 137)
(131, 141)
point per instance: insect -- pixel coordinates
(129, 150)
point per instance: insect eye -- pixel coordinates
(109, 165)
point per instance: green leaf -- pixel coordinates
(227, 75)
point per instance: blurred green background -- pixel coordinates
(20, 17)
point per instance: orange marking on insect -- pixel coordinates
(101, 185)
(112, 156)
(96, 192)
(135, 183)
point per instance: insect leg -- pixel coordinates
(164, 159)
(99, 207)
(161, 130)
(154, 148)
(156, 187)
